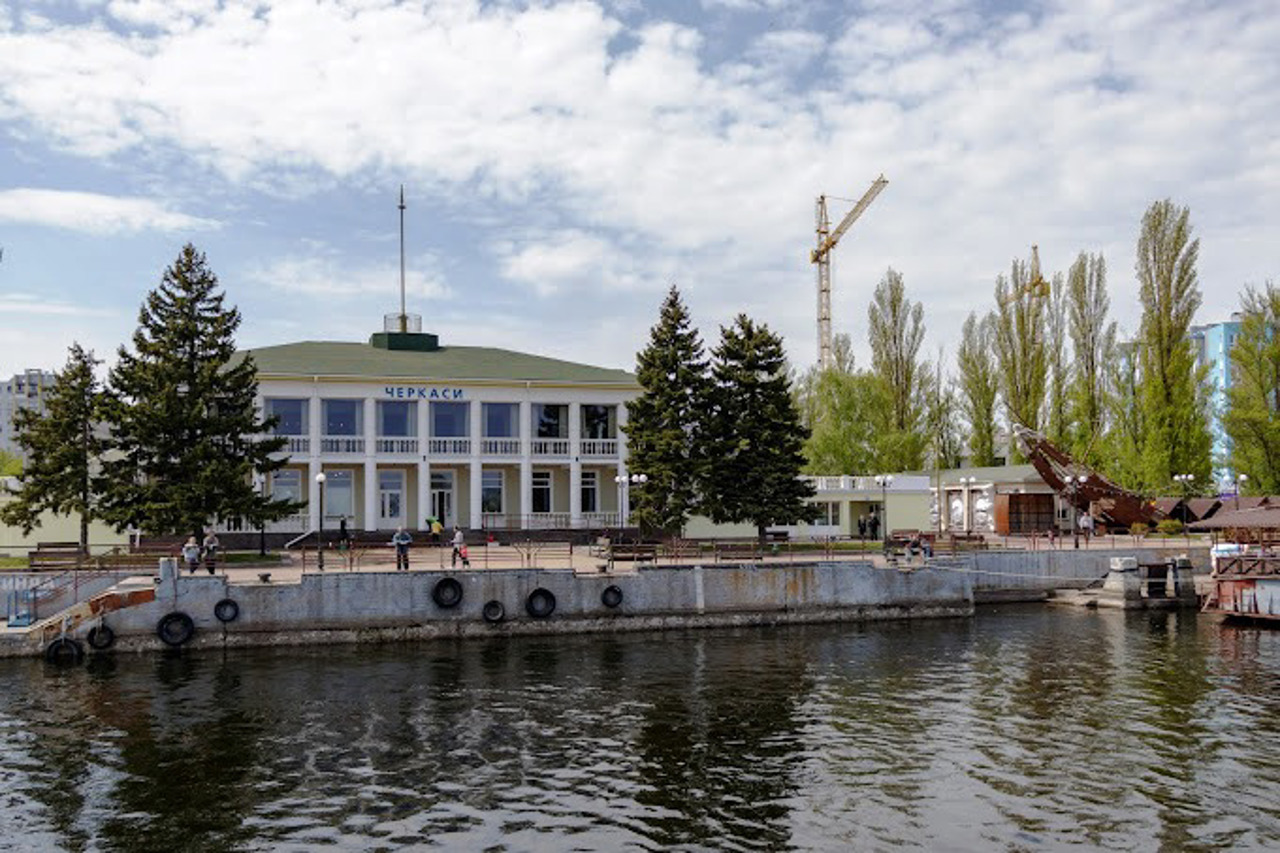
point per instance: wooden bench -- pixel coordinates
(55, 558)
(634, 552)
(732, 551)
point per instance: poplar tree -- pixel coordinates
(185, 437)
(1128, 432)
(1093, 345)
(1057, 364)
(1020, 347)
(1252, 417)
(1177, 439)
(979, 386)
(896, 326)
(754, 437)
(664, 423)
(843, 408)
(62, 449)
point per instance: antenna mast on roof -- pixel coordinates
(404, 317)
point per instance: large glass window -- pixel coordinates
(541, 491)
(286, 485)
(501, 420)
(397, 419)
(590, 492)
(339, 494)
(491, 483)
(599, 422)
(828, 513)
(449, 420)
(550, 420)
(342, 417)
(291, 412)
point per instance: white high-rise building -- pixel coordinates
(24, 391)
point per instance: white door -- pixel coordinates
(442, 497)
(390, 499)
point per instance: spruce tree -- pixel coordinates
(664, 422)
(754, 437)
(1177, 439)
(185, 436)
(62, 451)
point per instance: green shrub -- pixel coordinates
(1138, 529)
(1170, 527)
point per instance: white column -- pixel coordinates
(474, 493)
(314, 415)
(313, 494)
(624, 490)
(424, 465)
(526, 462)
(370, 464)
(575, 465)
(475, 416)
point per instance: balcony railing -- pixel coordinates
(500, 447)
(397, 445)
(295, 523)
(545, 520)
(449, 446)
(342, 444)
(297, 444)
(551, 447)
(599, 447)
(599, 519)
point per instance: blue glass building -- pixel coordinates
(1212, 343)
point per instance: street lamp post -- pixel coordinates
(320, 531)
(262, 525)
(1185, 480)
(1076, 482)
(1241, 479)
(884, 481)
(624, 493)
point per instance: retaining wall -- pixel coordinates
(376, 606)
(1031, 575)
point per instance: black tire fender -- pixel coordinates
(64, 651)
(101, 637)
(175, 629)
(540, 604)
(226, 610)
(447, 593)
(493, 612)
(612, 596)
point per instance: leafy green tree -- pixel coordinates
(754, 433)
(896, 326)
(842, 408)
(979, 386)
(1020, 345)
(1177, 439)
(185, 437)
(62, 450)
(10, 464)
(1058, 364)
(946, 445)
(1128, 431)
(1093, 346)
(664, 423)
(1252, 417)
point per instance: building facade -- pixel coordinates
(403, 429)
(25, 390)
(1212, 344)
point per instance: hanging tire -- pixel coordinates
(226, 610)
(175, 629)
(493, 612)
(101, 638)
(612, 596)
(540, 604)
(64, 651)
(447, 593)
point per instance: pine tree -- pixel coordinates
(664, 423)
(979, 387)
(184, 431)
(1252, 417)
(754, 437)
(1093, 346)
(1177, 439)
(62, 451)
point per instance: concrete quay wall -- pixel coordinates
(343, 607)
(1031, 575)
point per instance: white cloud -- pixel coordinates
(29, 304)
(552, 262)
(322, 272)
(93, 213)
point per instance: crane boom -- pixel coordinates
(821, 256)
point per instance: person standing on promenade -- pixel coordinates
(459, 549)
(191, 554)
(210, 548)
(437, 532)
(862, 527)
(402, 540)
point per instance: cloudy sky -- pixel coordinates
(565, 162)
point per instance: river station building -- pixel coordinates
(404, 428)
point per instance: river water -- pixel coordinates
(1027, 728)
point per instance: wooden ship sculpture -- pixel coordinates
(1082, 487)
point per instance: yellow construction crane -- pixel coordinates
(821, 256)
(1035, 287)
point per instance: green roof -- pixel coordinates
(357, 360)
